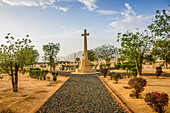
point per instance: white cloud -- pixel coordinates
(131, 21)
(106, 12)
(89, 4)
(60, 8)
(43, 3)
(29, 2)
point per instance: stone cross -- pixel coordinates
(85, 43)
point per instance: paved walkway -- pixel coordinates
(83, 94)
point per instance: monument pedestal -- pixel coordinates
(85, 68)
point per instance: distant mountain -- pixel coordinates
(72, 56)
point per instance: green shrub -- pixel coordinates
(123, 66)
(48, 78)
(108, 65)
(116, 77)
(55, 76)
(134, 71)
(96, 66)
(63, 66)
(77, 66)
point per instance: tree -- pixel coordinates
(161, 28)
(16, 55)
(50, 54)
(77, 59)
(106, 52)
(161, 50)
(161, 25)
(91, 55)
(135, 46)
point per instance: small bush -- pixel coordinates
(116, 77)
(108, 65)
(55, 74)
(110, 74)
(123, 66)
(7, 110)
(48, 78)
(104, 71)
(138, 84)
(157, 101)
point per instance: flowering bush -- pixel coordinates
(157, 100)
(7, 110)
(138, 84)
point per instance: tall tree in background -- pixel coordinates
(50, 54)
(16, 55)
(106, 52)
(161, 28)
(135, 46)
(91, 55)
(77, 59)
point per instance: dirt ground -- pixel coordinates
(162, 84)
(32, 92)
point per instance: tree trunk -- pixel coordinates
(12, 75)
(139, 67)
(166, 64)
(15, 87)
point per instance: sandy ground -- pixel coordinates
(32, 92)
(146, 70)
(162, 84)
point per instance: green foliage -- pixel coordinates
(77, 59)
(162, 50)
(161, 25)
(55, 74)
(150, 58)
(108, 65)
(92, 65)
(134, 71)
(15, 55)
(116, 77)
(50, 54)
(135, 46)
(161, 28)
(157, 101)
(96, 66)
(138, 84)
(102, 66)
(91, 55)
(63, 67)
(123, 66)
(117, 66)
(106, 52)
(77, 66)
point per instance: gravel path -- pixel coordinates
(83, 94)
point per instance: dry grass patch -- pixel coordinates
(122, 89)
(31, 93)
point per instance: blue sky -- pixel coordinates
(63, 21)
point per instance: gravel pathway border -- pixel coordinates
(82, 93)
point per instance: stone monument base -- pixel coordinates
(85, 68)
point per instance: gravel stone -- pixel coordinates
(81, 94)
